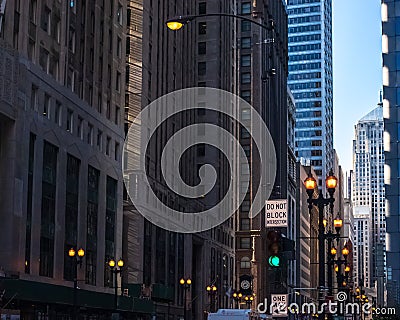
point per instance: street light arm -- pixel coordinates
(189, 18)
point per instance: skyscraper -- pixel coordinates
(391, 101)
(368, 186)
(310, 80)
(61, 136)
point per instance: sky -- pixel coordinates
(357, 69)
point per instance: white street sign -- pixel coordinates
(276, 213)
(279, 307)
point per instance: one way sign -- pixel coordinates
(279, 307)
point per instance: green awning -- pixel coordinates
(25, 290)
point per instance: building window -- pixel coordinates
(246, 95)
(245, 263)
(71, 213)
(116, 151)
(246, 8)
(201, 68)
(246, 43)
(28, 228)
(118, 81)
(57, 113)
(34, 98)
(245, 114)
(91, 224)
(117, 115)
(100, 140)
(245, 77)
(245, 26)
(46, 106)
(108, 144)
(245, 243)
(32, 11)
(46, 20)
(70, 120)
(245, 222)
(202, 48)
(44, 59)
(49, 177)
(72, 40)
(202, 27)
(90, 134)
(119, 47)
(245, 60)
(202, 7)
(111, 213)
(119, 14)
(80, 128)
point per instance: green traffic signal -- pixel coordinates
(274, 261)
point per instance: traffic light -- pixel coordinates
(274, 243)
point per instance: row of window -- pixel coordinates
(308, 28)
(305, 9)
(309, 124)
(53, 110)
(308, 114)
(306, 19)
(308, 104)
(303, 76)
(305, 57)
(305, 66)
(307, 95)
(305, 38)
(295, 2)
(305, 47)
(309, 134)
(305, 85)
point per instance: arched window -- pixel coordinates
(245, 263)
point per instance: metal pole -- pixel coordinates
(116, 290)
(75, 293)
(330, 265)
(184, 304)
(321, 249)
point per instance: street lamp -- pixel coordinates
(178, 22)
(212, 293)
(76, 258)
(185, 283)
(311, 184)
(116, 267)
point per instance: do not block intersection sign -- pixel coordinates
(276, 213)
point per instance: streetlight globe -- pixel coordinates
(347, 268)
(111, 263)
(240, 295)
(338, 223)
(81, 252)
(345, 251)
(246, 298)
(174, 25)
(325, 222)
(214, 288)
(182, 281)
(71, 252)
(331, 181)
(333, 251)
(357, 290)
(336, 268)
(235, 295)
(251, 298)
(310, 183)
(120, 263)
(209, 288)
(189, 282)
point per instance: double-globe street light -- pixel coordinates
(321, 202)
(76, 258)
(116, 268)
(185, 283)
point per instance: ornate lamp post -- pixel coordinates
(77, 258)
(212, 294)
(311, 184)
(185, 283)
(116, 267)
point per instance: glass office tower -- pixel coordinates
(391, 115)
(310, 80)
